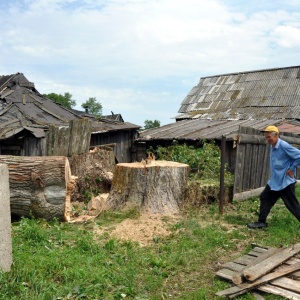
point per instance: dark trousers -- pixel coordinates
(268, 198)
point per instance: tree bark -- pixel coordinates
(38, 185)
(154, 187)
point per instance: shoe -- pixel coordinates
(257, 225)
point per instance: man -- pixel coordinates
(284, 160)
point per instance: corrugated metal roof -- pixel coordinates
(199, 129)
(256, 94)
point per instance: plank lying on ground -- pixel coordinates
(238, 277)
(268, 288)
(244, 287)
(225, 274)
(233, 270)
(287, 283)
(267, 265)
(244, 260)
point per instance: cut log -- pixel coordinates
(38, 185)
(151, 186)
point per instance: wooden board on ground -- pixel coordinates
(280, 279)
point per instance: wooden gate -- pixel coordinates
(252, 169)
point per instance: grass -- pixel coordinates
(53, 260)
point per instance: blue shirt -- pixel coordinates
(282, 157)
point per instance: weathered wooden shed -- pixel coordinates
(222, 105)
(116, 134)
(113, 132)
(33, 125)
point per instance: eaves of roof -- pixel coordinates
(202, 129)
(103, 127)
(9, 132)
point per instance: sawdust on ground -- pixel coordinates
(144, 230)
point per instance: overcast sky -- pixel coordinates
(141, 58)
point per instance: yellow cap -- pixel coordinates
(271, 129)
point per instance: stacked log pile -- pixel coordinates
(267, 269)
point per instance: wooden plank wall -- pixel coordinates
(252, 159)
(69, 140)
(123, 139)
(80, 136)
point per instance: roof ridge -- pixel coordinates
(252, 71)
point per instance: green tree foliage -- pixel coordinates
(151, 124)
(65, 100)
(204, 162)
(94, 107)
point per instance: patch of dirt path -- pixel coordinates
(143, 230)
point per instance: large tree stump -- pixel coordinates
(157, 187)
(38, 185)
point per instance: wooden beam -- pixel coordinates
(255, 271)
(245, 287)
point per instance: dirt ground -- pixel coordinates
(144, 230)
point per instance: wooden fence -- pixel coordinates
(69, 140)
(252, 169)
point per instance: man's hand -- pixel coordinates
(290, 173)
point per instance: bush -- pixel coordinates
(204, 162)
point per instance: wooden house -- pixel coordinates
(33, 125)
(234, 105)
(113, 132)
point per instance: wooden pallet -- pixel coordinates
(271, 270)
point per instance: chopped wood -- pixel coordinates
(238, 277)
(283, 279)
(287, 283)
(268, 288)
(255, 271)
(244, 287)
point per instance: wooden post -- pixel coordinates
(5, 221)
(222, 175)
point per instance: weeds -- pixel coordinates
(204, 162)
(53, 260)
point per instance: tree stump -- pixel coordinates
(155, 187)
(38, 185)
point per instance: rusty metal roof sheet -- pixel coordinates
(269, 93)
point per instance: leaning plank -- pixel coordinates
(233, 270)
(268, 288)
(238, 277)
(267, 265)
(244, 287)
